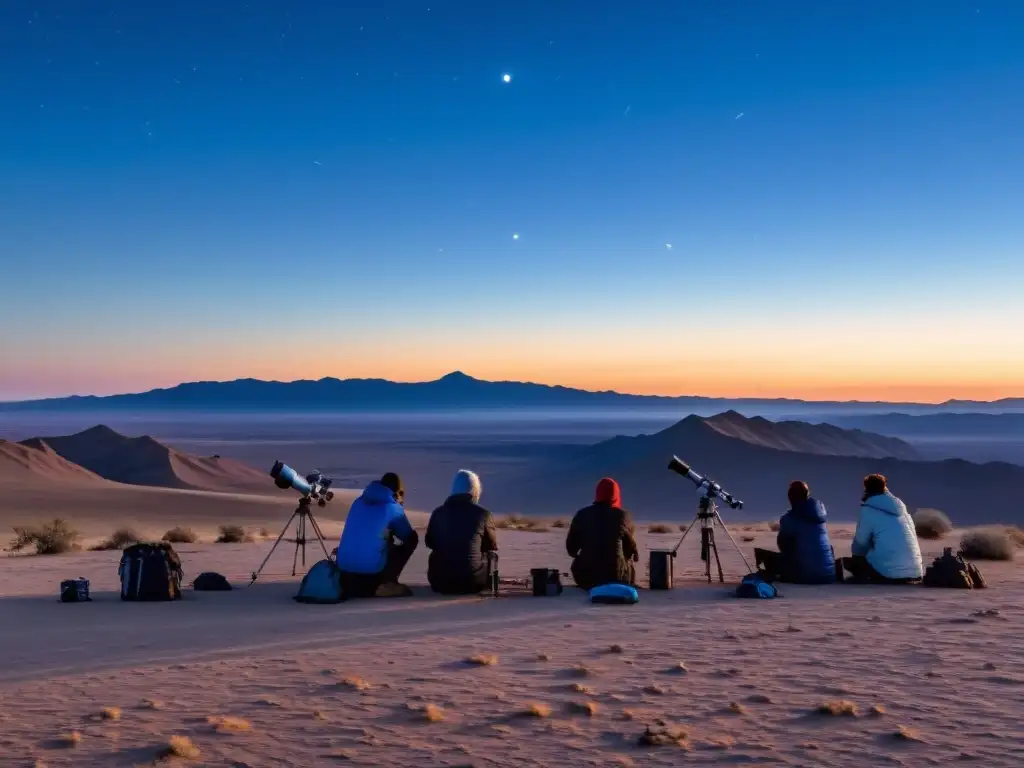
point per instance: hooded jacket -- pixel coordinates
(887, 538)
(803, 541)
(601, 539)
(459, 534)
(372, 519)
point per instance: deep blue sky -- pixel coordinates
(219, 189)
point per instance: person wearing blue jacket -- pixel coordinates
(805, 554)
(369, 558)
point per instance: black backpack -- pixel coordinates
(150, 572)
(75, 591)
(952, 571)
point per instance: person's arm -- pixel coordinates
(489, 539)
(572, 539)
(784, 540)
(402, 528)
(862, 542)
(628, 535)
(429, 540)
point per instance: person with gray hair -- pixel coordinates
(459, 536)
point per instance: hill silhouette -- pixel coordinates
(455, 390)
(757, 468)
(34, 463)
(145, 461)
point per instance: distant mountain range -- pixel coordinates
(454, 391)
(755, 460)
(99, 455)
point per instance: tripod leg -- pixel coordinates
(685, 534)
(718, 560)
(256, 573)
(721, 522)
(299, 538)
(706, 542)
(319, 536)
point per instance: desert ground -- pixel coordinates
(251, 678)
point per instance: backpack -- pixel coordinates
(615, 594)
(75, 591)
(150, 572)
(755, 586)
(211, 582)
(321, 584)
(951, 571)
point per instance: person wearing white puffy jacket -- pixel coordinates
(885, 548)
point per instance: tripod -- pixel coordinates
(708, 517)
(305, 515)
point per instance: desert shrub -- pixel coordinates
(520, 523)
(932, 523)
(119, 539)
(1016, 535)
(53, 538)
(987, 544)
(558, 524)
(774, 526)
(181, 535)
(659, 528)
(232, 534)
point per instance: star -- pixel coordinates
(668, 246)
(506, 78)
(515, 236)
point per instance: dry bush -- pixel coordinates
(559, 524)
(932, 523)
(151, 704)
(579, 688)
(119, 539)
(179, 535)
(180, 746)
(53, 538)
(535, 709)
(659, 528)
(232, 534)
(683, 527)
(667, 737)
(616, 648)
(433, 713)
(736, 708)
(483, 660)
(759, 698)
(543, 657)
(356, 683)
(748, 539)
(580, 670)
(1016, 535)
(904, 733)
(265, 533)
(837, 708)
(774, 526)
(227, 724)
(110, 713)
(677, 669)
(877, 710)
(987, 544)
(588, 708)
(69, 739)
(654, 689)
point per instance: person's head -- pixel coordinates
(392, 481)
(608, 492)
(798, 493)
(874, 485)
(467, 483)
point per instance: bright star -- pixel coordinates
(506, 78)
(515, 236)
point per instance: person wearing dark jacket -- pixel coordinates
(459, 536)
(601, 540)
(805, 555)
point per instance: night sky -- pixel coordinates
(726, 198)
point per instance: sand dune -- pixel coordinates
(144, 461)
(252, 678)
(34, 463)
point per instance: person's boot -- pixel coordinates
(393, 589)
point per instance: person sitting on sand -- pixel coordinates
(885, 548)
(460, 536)
(368, 557)
(601, 540)
(805, 555)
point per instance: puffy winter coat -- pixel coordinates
(459, 534)
(803, 541)
(372, 520)
(887, 538)
(601, 540)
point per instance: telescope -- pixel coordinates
(312, 486)
(705, 485)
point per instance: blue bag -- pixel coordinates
(614, 594)
(754, 586)
(322, 584)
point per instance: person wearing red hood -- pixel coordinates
(601, 540)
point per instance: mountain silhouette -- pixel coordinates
(756, 462)
(110, 455)
(456, 390)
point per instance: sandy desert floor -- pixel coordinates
(251, 678)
